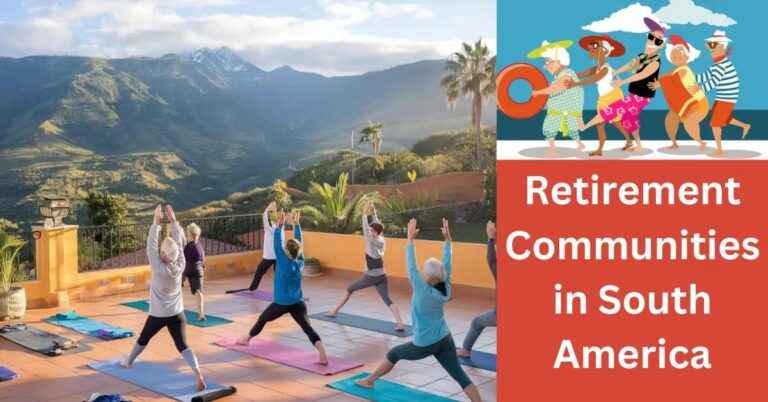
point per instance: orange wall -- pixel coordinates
(347, 252)
(451, 187)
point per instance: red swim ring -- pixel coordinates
(512, 73)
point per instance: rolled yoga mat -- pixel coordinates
(90, 327)
(41, 341)
(191, 316)
(294, 357)
(163, 380)
(385, 391)
(481, 360)
(256, 294)
(371, 324)
(7, 374)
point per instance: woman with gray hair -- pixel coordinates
(194, 254)
(166, 306)
(431, 336)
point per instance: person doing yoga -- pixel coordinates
(374, 274)
(289, 298)
(487, 319)
(194, 255)
(166, 306)
(268, 252)
(431, 336)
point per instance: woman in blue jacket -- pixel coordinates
(431, 336)
(289, 298)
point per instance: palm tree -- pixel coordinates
(10, 268)
(471, 72)
(331, 210)
(372, 134)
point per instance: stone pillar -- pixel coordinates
(56, 262)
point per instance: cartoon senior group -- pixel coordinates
(683, 90)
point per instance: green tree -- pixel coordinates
(471, 72)
(372, 134)
(278, 192)
(329, 208)
(11, 269)
(107, 209)
(7, 226)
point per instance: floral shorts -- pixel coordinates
(628, 108)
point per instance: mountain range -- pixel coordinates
(191, 127)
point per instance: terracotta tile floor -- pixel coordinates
(67, 378)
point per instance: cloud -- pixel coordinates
(330, 43)
(686, 12)
(628, 19)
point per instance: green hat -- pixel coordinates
(536, 53)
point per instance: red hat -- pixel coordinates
(678, 40)
(618, 48)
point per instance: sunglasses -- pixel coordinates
(655, 40)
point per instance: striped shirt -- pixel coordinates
(721, 76)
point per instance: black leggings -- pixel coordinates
(176, 324)
(444, 351)
(297, 310)
(260, 271)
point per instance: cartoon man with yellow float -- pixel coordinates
(564, 105)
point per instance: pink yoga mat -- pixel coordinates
(287, 355)
(259, 294)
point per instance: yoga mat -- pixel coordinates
(41, 341)
(90, 327)
(162, 380)
(257, 294)
(371, 324)
(289, 356)
(386, 391)
(210, 320)
(481, 360)
(7, 374)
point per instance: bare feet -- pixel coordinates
(746, 131)
(627, 146)
(363, 382)
(702, 145)
(400, 328)
(581, 146)
(126, 364)
(331, 314)
(596, 153)
(245, 340)
(673, 146)
(717, 154)
(200, 383)
(638, 148)
(552, 153)
(201, 318)
(464, 353)
(323, 360)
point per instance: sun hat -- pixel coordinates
(653, 25)
(616, 48)
(537, 53)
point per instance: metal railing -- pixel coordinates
(119, 246)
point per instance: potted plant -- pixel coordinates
(13, 299)
(311, 267)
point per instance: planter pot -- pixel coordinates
(312, 269)
(13, 304)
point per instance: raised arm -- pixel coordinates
(153, 247)
(447, 256)
(490, 229)
(177, 234)
(417, 282)
(297, 232)
(265, 217)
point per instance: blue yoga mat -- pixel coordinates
(162, 380)
(371, 324)
(385, 391)
(41, 341)
(89, 327)
(7, 374)
(481, 360)
(210, 320)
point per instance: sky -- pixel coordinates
(694, 20)
(330, 37)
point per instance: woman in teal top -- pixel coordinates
(289, 298)
(431, 336)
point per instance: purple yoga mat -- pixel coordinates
(289, 356)
(259, 294)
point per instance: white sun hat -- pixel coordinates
(719, 36)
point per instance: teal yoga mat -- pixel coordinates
(41, 341)
(89, 327)
(385, 391)
(371, 324)
(210, 320)
(163, 380)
